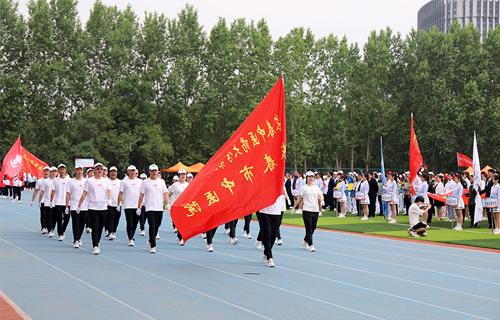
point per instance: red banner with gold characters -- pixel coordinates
(32, 164)
(244, 176)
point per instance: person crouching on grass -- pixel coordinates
(417, 228)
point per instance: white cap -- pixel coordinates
(78, 166)
(175, 178)
(90, 169)
(189, 175)
(153, 167)
(341, 171)
(46, 168)
(99, 164)
(104, 168)
(143, 175)
(131, 167)
(53, 169)
(407, 172)
(181, 171)
(334, 172)
(62, 165)
(310, 173)
(113, 168)
(431, 173)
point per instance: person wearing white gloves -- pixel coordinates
(98, 189)
(58, 200)
(74, 192)
(312, 198)
(45, 194)
(114, 211)
(130, 189)
(155, 194)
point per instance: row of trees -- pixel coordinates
(126, 90)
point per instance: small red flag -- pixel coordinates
(32, 164)
(464, 161)
(415, 157)
(244, 176)
(13, 161)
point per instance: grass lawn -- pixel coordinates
(439, 231)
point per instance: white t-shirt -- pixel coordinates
(310, 197)
(153, 191)
(275, 208)
(177, 189)
(75, 189)
(131, 191)
(6, 182)
(115, 188)
(47, 190)
(414, 214)
(59, 185)
(98, 193)
(39, 186)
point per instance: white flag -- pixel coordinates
(478, 213)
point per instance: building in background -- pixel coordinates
(442, 13)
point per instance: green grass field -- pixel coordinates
(439, 231)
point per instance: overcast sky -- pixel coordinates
(353, 18)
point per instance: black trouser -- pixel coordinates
(98, 217)
(330, 200)
(472, 211)
(381, 204)
(43, 216)
(270, 227)
(132, 220)
(431, 211)
(48, 217)
(62, 219)
(142, 218)
(359, 207)
(491, 221)
(407, 201)
(154, 221)
(246, 227)
(278, 233)
(371, 206)
(55, 218)
(11, 191)
(310, 221)
(292, 201)
(88, 221)
(259, 236)
(112, 219)
(210, 235)
(78, 223)
(226, 225)
(232, 228)
(17, 193)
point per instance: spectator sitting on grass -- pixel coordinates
(417, 228)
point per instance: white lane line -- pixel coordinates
(77, 279)
(14, 306)
(144, 271)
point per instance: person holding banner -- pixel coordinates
(271, 221)
(458, 191)
(417, 228)
(472, 202)
(312, 199)
(495, 193)
(74, 192)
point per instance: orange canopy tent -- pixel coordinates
(178, 167)
(197, 166)
(485, 169)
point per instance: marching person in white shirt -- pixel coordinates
(114, 211)
(45, 194)
(175, 191)
(98, 189)
(17, 183)
(74, 192)
(155, 195)
(41, 204)
(88, 223)
(58, 201)
(130, 190)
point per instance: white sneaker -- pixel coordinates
(50, 234)
(364, 218)
(270, 263)
(14, 201)
(44, 230)
(312, 248)
(264, 258)
(131, 243)
(210, 248)
(143, 233)
(244, 233)
(158, 235)
(106, 233)
(87, 230)
(174, 230)
(152, 250)
(235, 241)
(95, 251)
(279, 242)
(292, 211)
(76, 245)
(249, 236)
(80, 242)
(20, 203)
(181, 243)
(203, 235)
(305, 244)
(226, 231)
(149, 244)
(392, 221)
(458, 227)
(258, 245)
(298, 211)
(496, 231)
(61, 237)
(112, 236)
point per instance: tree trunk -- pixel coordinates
(337, 161)
(367, 152)
(305, 165)
(352, 159)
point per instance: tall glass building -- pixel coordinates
(442, 13)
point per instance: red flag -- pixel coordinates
(32, 164)
(244, 176)
(415, 157)
(13, 161)
(440, 197)
(464, 161)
